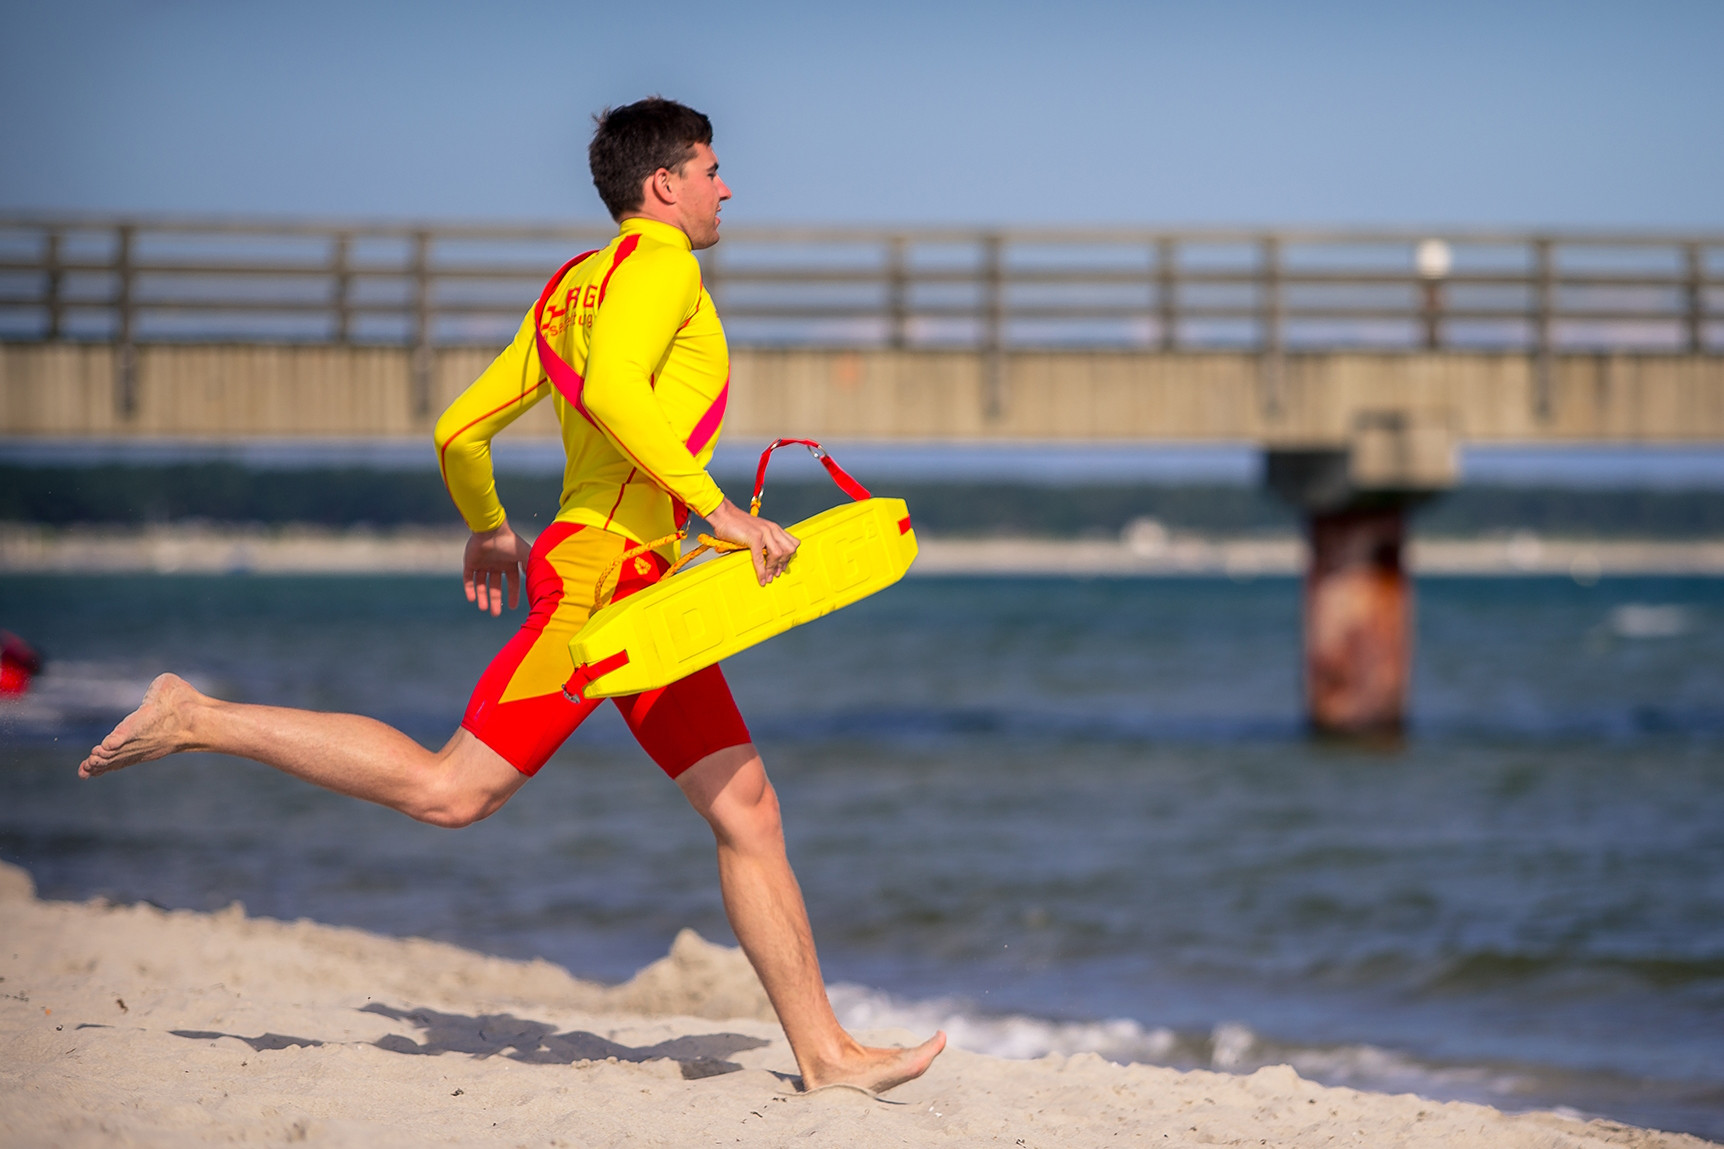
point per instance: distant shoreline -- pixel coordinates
(206, 549)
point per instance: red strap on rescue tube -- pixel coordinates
(839, 475)
(588, 673)
(569, 382)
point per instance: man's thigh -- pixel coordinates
(686, 722)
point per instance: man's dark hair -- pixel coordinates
(636, 140)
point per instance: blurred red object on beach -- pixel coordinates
(18, 664)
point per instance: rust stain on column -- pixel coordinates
(1358, 622)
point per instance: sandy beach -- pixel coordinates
(131, 1025)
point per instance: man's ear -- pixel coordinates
(659, 186)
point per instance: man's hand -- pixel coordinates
(769, 544)
(494, 558)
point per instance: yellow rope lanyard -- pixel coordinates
(707, 543)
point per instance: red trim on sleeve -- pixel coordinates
(443, 447)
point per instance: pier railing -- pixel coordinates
(1263, 305)
(174, 281)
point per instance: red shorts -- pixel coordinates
(519, 708)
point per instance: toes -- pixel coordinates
(890, 1068)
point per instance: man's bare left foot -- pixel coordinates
(877, 1070)
(157, 728)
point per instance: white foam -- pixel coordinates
(1230, 1047)
(1235, 1048)
(1383, 1070)
(1010, 1035)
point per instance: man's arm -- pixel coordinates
(649, 297)
(495, 556)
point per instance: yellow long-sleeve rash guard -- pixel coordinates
(636, 323)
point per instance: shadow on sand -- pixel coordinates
(535, 1042)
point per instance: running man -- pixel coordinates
(636, 364)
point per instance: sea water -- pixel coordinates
(1045, 814)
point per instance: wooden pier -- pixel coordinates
(1359, 360)
(234, 329)
(238, 391)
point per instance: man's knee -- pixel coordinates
(469, 783)
(454, 808)
(730, 790)
(751, 818)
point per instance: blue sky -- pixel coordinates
(1567, 114)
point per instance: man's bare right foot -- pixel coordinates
(157, 728)
(877, 1070)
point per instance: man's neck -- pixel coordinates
(667, 218)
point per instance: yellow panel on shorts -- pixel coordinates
(581, 559)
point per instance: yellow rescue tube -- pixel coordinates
(710, 611)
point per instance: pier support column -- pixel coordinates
(1358, 597)
(1358, 621)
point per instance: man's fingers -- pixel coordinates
(757, 551)
(492, 561)
(486, 586)
(768, 543)
(780, 548)
(772, 551)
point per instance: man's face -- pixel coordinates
(699, 196)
